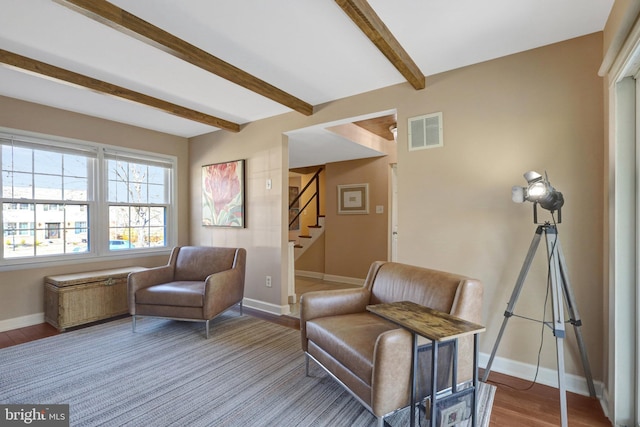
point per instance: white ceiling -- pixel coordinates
(308, 48)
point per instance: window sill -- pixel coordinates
(77, 259)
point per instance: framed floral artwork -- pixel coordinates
(223, 194)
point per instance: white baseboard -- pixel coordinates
(267, 307)
(21, 322)
(604, 402)
(343, 279)
(546, 376)
(330, 277)
(310, 274)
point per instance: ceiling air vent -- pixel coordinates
(425, 131)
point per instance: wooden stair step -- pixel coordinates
(298, 246)
(305, 237)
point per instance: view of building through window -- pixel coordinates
(51, 203)
(135, 191)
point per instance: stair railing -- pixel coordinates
(316, 195)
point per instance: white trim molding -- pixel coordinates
(21, 322)
(546, 376)
(331, 277)
(267, 307)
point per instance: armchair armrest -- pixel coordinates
(333, 302)
(392, 356)
(330, 303)
(222, 290)
(145, 278)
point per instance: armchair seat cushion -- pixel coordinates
(350, 339)
(181, 293)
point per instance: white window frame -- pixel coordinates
(98, 204)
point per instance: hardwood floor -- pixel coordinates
(540, 405)
(26, 334)
(513, 405)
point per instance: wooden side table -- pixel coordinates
(437, 327)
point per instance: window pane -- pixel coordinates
(119, 228)
(157, 194)
(139, 193)
(7, 184)
(47, 162)
(77, 166)
(117, 170)
(48, 187)
(75, 188)
(7, 159)
(118, 216)
(22, 186)
(137, 173)
(17, 159)
(118, 192)
(157, 236)
(18, 226)
(156, 175)
(76, 233)
(140, 215)
(157, 217)
(139, 226)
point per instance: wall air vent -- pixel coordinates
(425, 131)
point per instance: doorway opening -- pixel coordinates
(354, 151)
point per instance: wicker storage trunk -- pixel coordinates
(76, 299)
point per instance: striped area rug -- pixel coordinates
(249, 373)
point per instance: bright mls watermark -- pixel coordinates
(34, 415)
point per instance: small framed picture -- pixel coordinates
(353, 199)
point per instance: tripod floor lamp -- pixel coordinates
(540, 192)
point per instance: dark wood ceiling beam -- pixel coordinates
(123, 21)
(363, 15)
(22, 63)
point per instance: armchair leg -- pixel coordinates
(241, 308)
(133, 322)
(207, 327)
(306, 365)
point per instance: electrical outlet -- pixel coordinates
(268, 281)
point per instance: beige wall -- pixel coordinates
(266, 234)
(353, 242)
(22, 291)
(539, 110)
(313, 259)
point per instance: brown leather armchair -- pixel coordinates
(370, 356)
(197, 284)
